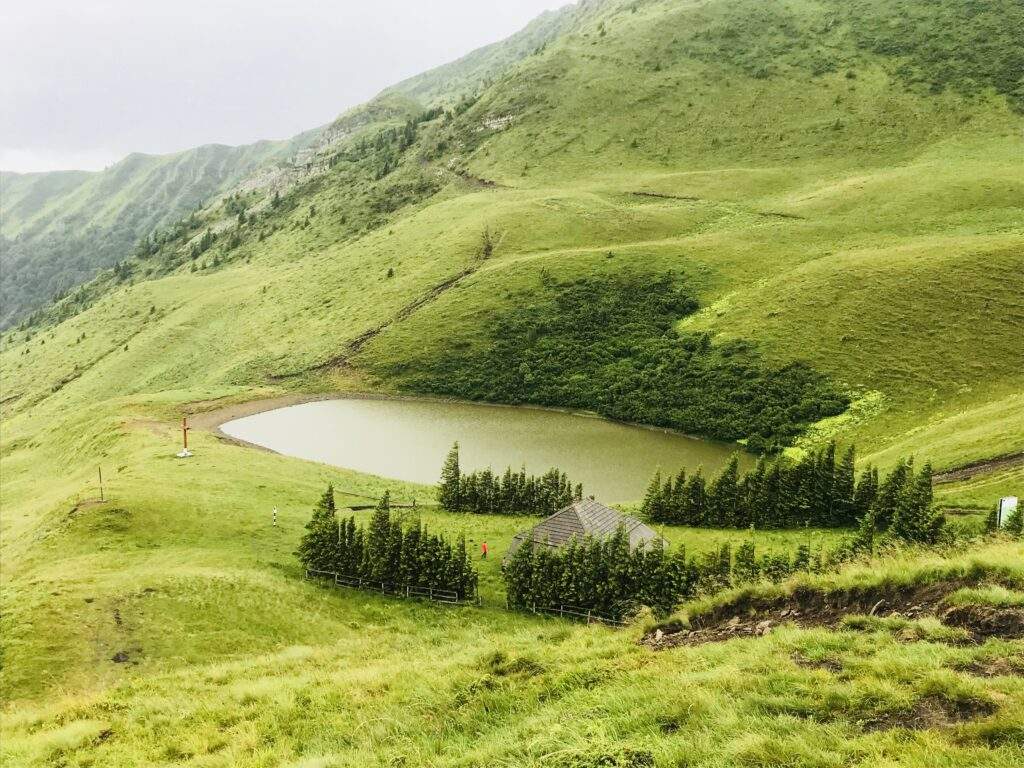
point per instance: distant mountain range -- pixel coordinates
(59, 229)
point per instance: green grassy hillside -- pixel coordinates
(833, 185)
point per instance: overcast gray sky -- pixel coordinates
(85, 82)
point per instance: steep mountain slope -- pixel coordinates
(59, 229)
(462, 78)
(826, 197)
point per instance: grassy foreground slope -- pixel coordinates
(824, 217)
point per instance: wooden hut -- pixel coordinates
(582, 519)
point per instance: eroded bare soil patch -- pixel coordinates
(986, 620)
(932, 712)
(1000, 666)
(756, 617)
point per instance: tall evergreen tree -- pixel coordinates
(844, 491)
(913, 519)
(378, 542)
(448, 491)
(652, 507)
(867, 490)
(724, 497)
(696, 500)
(318, 545)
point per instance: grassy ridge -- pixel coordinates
(61, 229)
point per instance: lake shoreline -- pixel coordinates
(214, 419)
(400, 436)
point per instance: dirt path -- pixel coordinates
(983, 467)
(360, 341)
(208, 416)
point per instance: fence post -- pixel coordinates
(588, 618)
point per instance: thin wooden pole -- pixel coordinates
(100, 471)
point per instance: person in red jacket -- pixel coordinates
(483, 550)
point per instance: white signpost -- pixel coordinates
(1007, 506)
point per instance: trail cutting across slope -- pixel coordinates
(967, 471)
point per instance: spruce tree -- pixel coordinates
(913, 519)
(677, 502)
(844, 491)
(724, 497)
(318, 546)
(518, 575)
(448, 491)
(890, 495)
(696, 500)
(867, 491)
(652, 508)
(378, 539)
(1014, 524)
(802, 559)
(824, 487)
(745, 568)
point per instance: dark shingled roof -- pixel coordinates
(582, 519)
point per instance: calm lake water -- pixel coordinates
(408, 440)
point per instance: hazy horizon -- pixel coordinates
(83, 87)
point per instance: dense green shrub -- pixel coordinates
(604, 576)
(385, 552)
(510, 494)
(608, 344)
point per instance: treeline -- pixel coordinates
(387, 145)
(815, 491)
(386, 551)
(901, 508)
(511, 493)
(604, 576)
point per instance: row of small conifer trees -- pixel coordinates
(387, 552)
(513, 493)
(605, 577)
(815, 491)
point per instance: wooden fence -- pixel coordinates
(576, 613)
(386, 588)
(448, 597)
